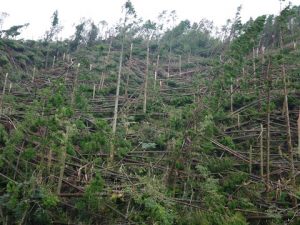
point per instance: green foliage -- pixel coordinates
(216, 165)
(227, 141)
(3, 135)
(233, 180)
(3, 60)
(178, 166)
(95, 187)
(246, 42)
(154, 210)
(14, 31)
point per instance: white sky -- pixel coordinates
(38, 12)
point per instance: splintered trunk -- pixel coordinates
(156, 71)
(127, 76)
(288, 133)
(261, 151)
(146, 80)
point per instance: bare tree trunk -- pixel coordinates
(53, 62)
(127, 76)
(298, 122)
(3, 92)
(33, 74)
(63, 159)
(4, 85)
(268, 127)
(156, 71)
(261, 151)
(169, 62)
(61, 170)
(250, 159)
(115, 118)
(75, 86)
(189, 56)
(180, 65)
(288, 132)
(103, 74)
(47, 57)
(114, 125)
(231, 97)
(94, 91)
(10, 87)
(146, 80)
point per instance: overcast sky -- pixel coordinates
(38, 12)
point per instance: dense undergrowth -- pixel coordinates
(217, 144)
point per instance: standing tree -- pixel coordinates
(3, 15)
(129, 11)
(14, 31)
(78, 36)
(50, 34)
(92, 34)
(148, 31)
